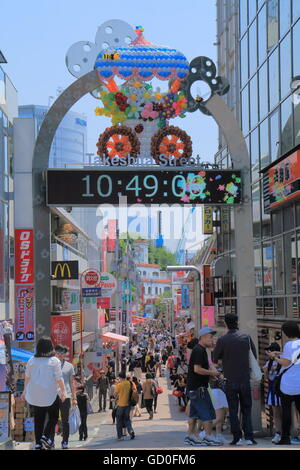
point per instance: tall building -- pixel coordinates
(69, 145)
(8, 111)
(258, 43)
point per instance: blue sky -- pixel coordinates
(35, 36)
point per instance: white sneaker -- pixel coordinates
(212, 440)
(222, 439)
(276, 438)
(196, 442)
(202, 434)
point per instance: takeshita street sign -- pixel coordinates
(93, 187)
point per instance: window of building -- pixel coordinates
(252, 48)
(263, 91)
(274, 136)
(288, 218)
(252, 9)
(279, 307)
(253, 102)
(296, 9)
(267, 269)
(243, 15)
(258, 270)
(290, 263)
(272, 22)
(278, 266)
(273, 79)
(286, 126)
(262, 35)
(245, 110)
(256, 210)
(276, 222)
(296, 55)
(244, 60)
(285, 66)
(254, 155)
(264, 144)
(285, 16)
(149, 290)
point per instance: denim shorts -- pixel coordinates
(201, 406)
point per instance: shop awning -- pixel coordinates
(114, 337)
(20, 354)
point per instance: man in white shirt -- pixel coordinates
(68, 374)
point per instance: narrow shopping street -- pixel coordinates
(166, 431)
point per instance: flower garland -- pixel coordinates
(172, 142)
(136, 100)
(118, 141)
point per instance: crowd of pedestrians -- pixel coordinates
(210, 377)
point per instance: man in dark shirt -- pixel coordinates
(233, 350)
(201, 407)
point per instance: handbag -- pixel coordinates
(159, 390)
(255, 371)
(177, 393)
(277, 380)
(74, 420)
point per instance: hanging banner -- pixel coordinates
(24, 312)
(185, 296)
(124, 323)
(207, 220)
(207, 285)
(24, 267)
(208, 316)
(61, 332)
(225, 219)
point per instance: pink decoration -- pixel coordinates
(148, 111)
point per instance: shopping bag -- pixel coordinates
(74, 420)
(255, 371)
(90, 410)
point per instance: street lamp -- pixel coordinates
(198, 318)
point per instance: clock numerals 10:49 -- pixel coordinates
(148, 184)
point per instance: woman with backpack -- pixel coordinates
(149, 391)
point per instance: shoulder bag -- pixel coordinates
(255, 372)
(277, 380)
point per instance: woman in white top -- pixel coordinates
(43, 377)
(290, 381)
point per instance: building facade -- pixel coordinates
(260, 39)
(8, 111)
(69, 145)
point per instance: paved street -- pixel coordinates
(166, 431)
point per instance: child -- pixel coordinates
(82, 400)
(272, 369)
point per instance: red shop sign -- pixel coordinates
(24, 267)
(61, 332)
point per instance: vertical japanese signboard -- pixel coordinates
(112, 235)
(207, 220)
(24, 285)
(61, 332)
(124, 322)
(207, 281)
(185, 296)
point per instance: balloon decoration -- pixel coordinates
(171, 142)
(118, 141)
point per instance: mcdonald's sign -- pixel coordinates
(64, 270)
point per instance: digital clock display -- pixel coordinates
(93, 187)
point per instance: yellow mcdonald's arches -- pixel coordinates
(62, 270)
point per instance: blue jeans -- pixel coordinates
(239, 394)
(123, 420)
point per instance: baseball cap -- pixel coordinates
(205, 331)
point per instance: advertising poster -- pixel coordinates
(61, 332)
(185, 296)
(24, 313)
(208, 316)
